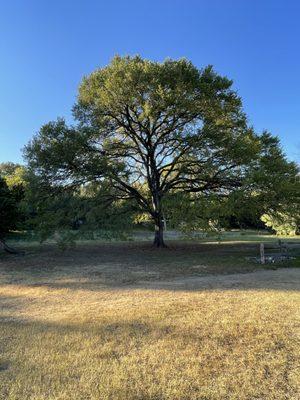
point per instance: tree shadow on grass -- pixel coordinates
(184, 265)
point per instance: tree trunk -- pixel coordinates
(158, 219)
(159, 235)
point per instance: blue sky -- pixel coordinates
(46, 47)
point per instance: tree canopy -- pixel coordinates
(152, 131)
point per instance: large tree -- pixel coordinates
(149, 130)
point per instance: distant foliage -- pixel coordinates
(8, 209)
(282, 223)
(16, 209)
(14, 174)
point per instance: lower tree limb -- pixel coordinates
(8, 249)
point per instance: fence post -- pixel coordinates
(262, 253)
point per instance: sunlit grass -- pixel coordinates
(136, 344)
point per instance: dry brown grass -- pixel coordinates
(66, 335)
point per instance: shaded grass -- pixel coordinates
(115, 264)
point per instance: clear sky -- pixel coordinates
(47, 46)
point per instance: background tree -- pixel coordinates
(150, 130)
(16, 178)
(9, 215)
(282, 223)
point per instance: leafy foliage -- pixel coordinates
(14, 174)
(69, 214)
(8, 209)
(282, 224)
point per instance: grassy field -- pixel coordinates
(125, 321)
